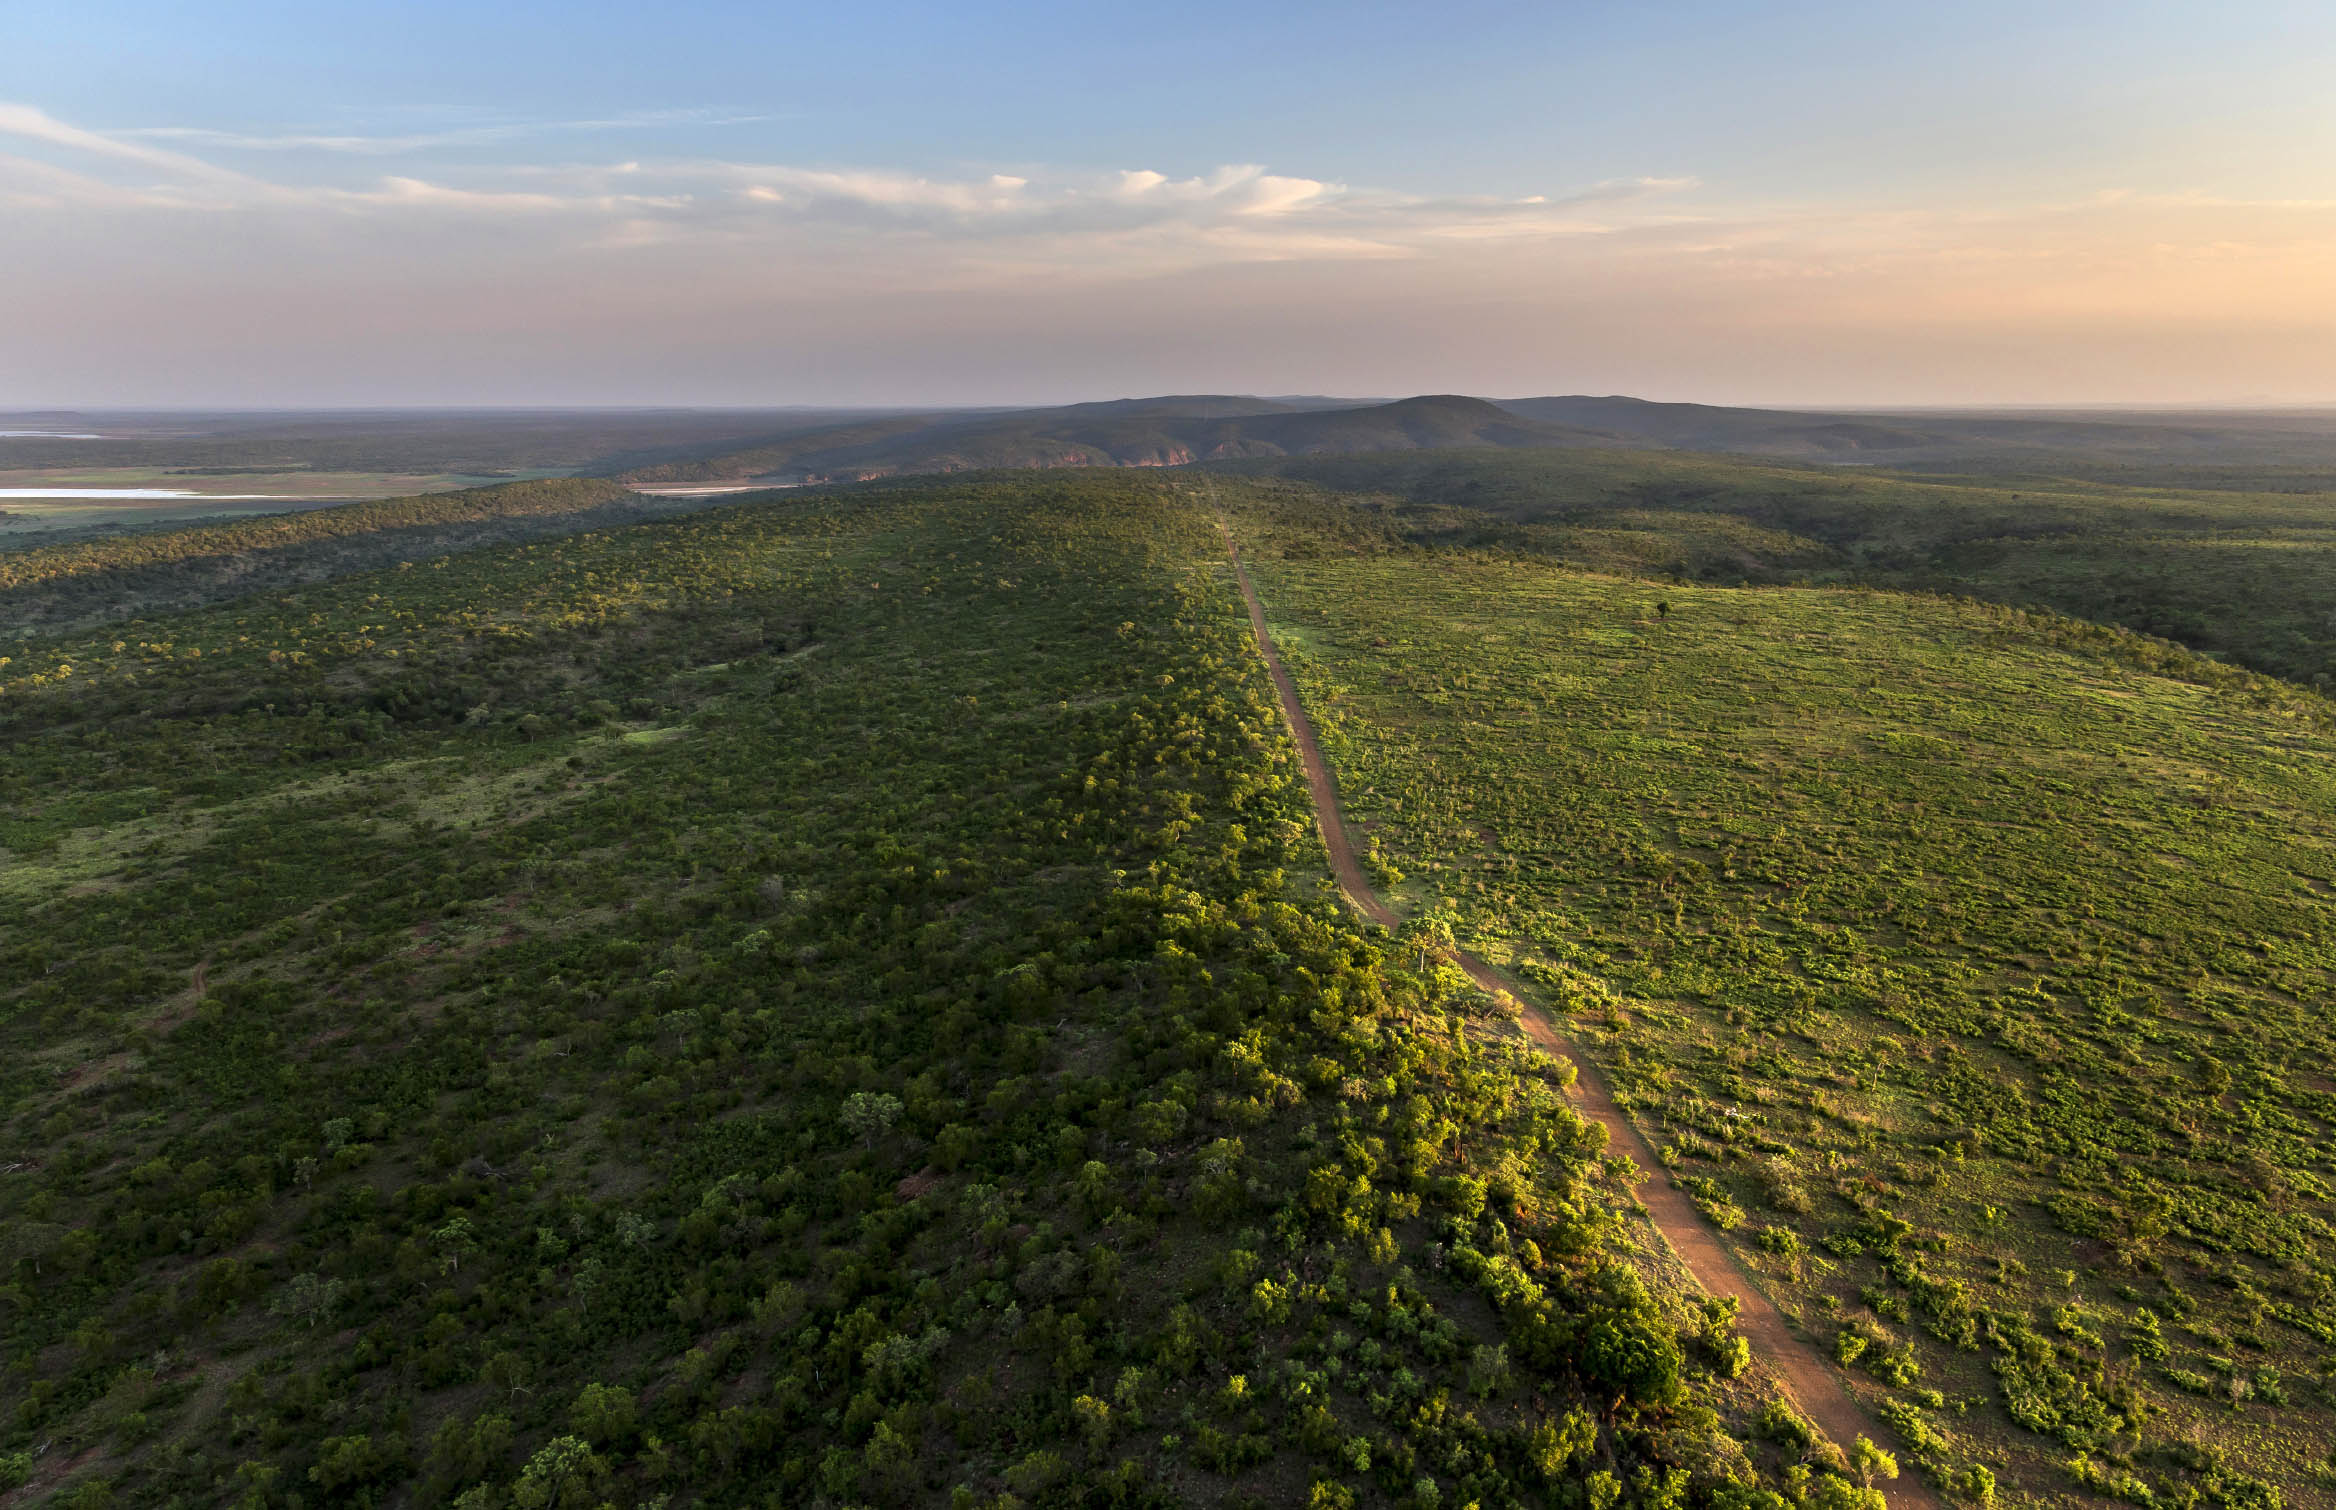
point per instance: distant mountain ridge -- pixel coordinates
(1158, 432)
(1182, 429)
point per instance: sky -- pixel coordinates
(423, 202)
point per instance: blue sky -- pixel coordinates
(1782, 202)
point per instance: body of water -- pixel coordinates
(46, 435)
(124, 493)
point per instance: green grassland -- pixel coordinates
(1971, 966)
(2246, 572)
(826, 1001)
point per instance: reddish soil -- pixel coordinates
(1815, 1386)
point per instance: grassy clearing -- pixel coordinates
(1973, 976)
(2248, 574)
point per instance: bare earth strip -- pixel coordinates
(1812, 1383)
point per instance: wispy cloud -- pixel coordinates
(534, 270)
(34, 124)
(390, 144)
(1138, 220)
(875, 227)
(30, 123)
(414, 193)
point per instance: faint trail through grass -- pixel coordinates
(1815, 1388)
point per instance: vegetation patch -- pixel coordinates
(1971, 967)
(932, 1071)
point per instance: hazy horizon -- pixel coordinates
(1811, 205)
(423, 407)
(2265, 408)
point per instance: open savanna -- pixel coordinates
(1971, 967)
(827, 1001)
(2244, 570)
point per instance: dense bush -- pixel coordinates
(826, 1002)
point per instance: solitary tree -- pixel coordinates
(602, 1414)
(559, 1475)
(455, 1240)
(1871, 1462)
(870, 1114)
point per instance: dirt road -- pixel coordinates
(1812, 1382)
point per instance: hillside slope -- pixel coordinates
(829, 1001)
(58, 589)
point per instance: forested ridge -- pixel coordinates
(829, 1001)
(1153, 433)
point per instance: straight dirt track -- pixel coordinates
(1807, 1378)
